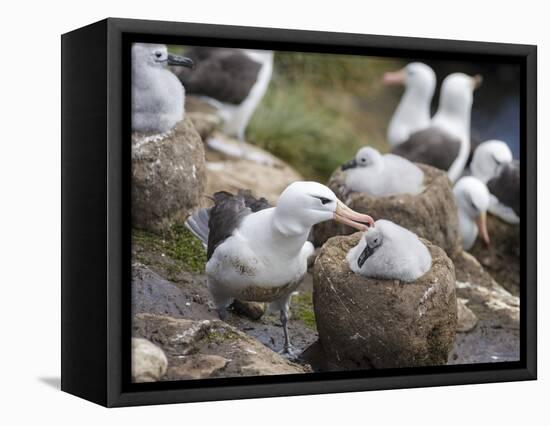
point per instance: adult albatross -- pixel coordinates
(259, 253)
(232, 80)
(494, 165)
(445, 144)
(413, 111)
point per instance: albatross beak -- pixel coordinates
(180, 61)
(482, 226)
(394, 77)
(347, 216)
(477, 80)
(349, 165)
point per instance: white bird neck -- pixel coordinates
(412, 114)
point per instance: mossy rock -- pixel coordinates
(168, 177)
(432, 214)
(367, 323)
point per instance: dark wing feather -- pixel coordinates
(228, 212)
(505, 186)
(226, 75)
(431, 146)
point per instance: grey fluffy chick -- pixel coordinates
(389, 251)
(157, 94)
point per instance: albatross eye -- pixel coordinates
(323, 200)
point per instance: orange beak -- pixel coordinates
(347, 216)
(394, 77)
(477, 80)
(482, 226)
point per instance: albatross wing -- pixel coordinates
(431, 146)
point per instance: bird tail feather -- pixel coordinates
(197, 223)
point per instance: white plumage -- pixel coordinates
(413, 111)
(472, 199)
(487, 161)
(382, 175)
(389, 251)
(157, 94)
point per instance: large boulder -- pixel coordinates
(501, 258)
(368, 323)
(149, 363)
(432, 214)
(168, 177)
(493, 336)
(209, 349)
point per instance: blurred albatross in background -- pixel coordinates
(445, 144)
(413, 111)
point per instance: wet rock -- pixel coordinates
(168, 177)
(149, 363)
(369, 323)
(153, 294)
(501, 258)
(189, 346)
(258, 170)
(467, 320)
(252, 310)
(432, 214)
(495, 338)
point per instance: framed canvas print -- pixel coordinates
(253, 212)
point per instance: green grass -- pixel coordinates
(319, 110)
(178, 243)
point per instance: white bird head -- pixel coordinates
(365, 157)
(304, 204)
(488, 157)
(416, 76)
(473, 199)
(457, 93)
(373, 240)
(157, 56)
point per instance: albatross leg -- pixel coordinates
(288, 349)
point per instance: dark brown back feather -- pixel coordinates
(228, 212)
(431, 146)
(226, 75)
(505, 186)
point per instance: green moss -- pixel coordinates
(302, 309)
(218, 336)
(178, 243)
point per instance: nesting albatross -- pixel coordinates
(232, 80)
(413, 111)
(445, 144)
(390, 251)
(259, 253)
(157, 94)
(382, 175)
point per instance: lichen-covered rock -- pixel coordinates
(432, 214)
(209, 348)
(168, 177)
(495, 338)
(501, 257)
(466, 319)
(149, 363)
(369, 323)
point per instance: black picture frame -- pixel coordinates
(96, 202)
